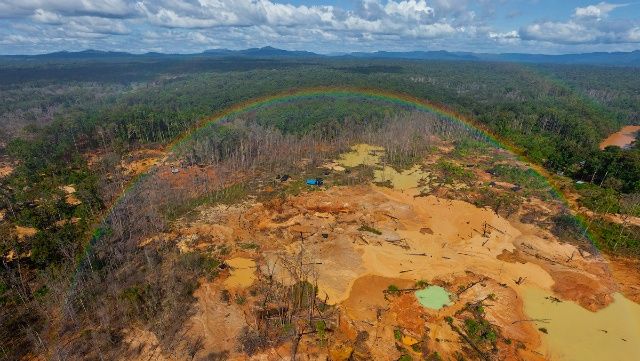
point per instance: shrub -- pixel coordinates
(366, 228)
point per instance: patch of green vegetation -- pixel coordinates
(240, 300)
(41, 292)
(568, 228)
(302, 292)
(321, 330)
(397, 334)
(615, 237)
(249, 245)
(467, 146)
(230, 195)
(504, 203)
(405, 357)
(612, 236)
(480, 330)
(526, 178)
(201, 264)
(613, 168)
(296, 187)
(322, 115)
(453, 172)
(598, 199)
(366, 228)
(393, 289)
(421, 284)
(387, 184)
(133, 294)
(401, 162)
(353, 176)
(141, 301)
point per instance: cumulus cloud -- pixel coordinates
(101, 8)
(191, 25)
(569, 32)
(588, 25)
(410, 10)
(215, 13)
(46, 17)
(509, 37)
(91, 25)
(17, 39)
(596, 11)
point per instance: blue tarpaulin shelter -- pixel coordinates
(314, 181)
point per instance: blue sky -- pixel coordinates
(324, 26)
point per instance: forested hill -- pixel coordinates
(631, 59)
(557, 113)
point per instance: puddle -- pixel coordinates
(433, 297)
(575, 333)
(370, 155)
(242, 272)
(407, 179)
(361, 154)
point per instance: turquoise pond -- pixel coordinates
(433, 297)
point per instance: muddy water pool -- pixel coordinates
(622, 138)
(574, 333)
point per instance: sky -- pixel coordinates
(322, 26)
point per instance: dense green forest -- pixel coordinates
(54, 116)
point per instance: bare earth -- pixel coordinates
(472, 252)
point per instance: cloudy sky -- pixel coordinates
(325, 26)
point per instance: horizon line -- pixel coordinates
(328, 54)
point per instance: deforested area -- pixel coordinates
(333, 209)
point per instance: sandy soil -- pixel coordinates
(218, 323)
(70, 198)
(625, 271)
(421, 238)
(142, 160)
(25, 232)
(5, 170)
(362, 239)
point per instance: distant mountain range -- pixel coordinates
(601, 58)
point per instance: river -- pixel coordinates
(622, 138)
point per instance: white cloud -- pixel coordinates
(102, 8)
(634, 34)
(193, 25)
(506, 35)
(588, 25)
(46, 17)
(569, 32)
(17, 39)
(596, 11)
(410, 10)
(215, 13)
(90, 25)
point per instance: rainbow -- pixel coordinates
(391, 97)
